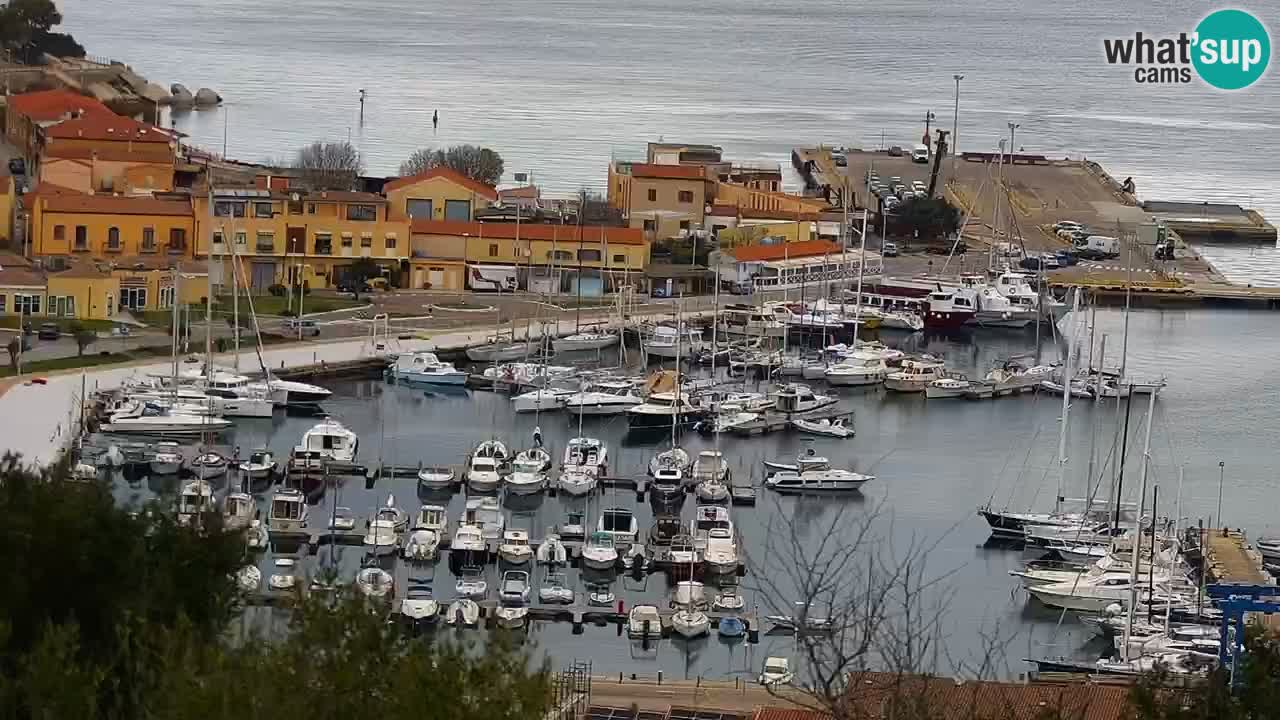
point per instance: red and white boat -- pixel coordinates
(950, 308)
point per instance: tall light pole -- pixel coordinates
(955, 125)
(1222, 465)
(1012, 127)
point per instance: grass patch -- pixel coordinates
(272, 305)
(66, 325)
(89, 360)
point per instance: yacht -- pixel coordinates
(585, 341)
(914, 375)
(949, 309)
(668, 343)
(540, 400)
(796, 399)
(425, 367)
(240, 396)
(661, 411)
(468, 539)
(332, 441)
(483, 475)
(1017, 288)
(484, 513)
(587, 455)
(195, 499)
(720, 553)
(237, 511)
(817, 481)
(857, 368)
(1087, 594)
(515, 548)
(675, 457)
(610, 397)
(749, 321)
(997, 311)
(710, 465)
(288, 511)
(150, 419)
(528, 472)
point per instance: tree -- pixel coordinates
(329, 166)
(1257, 694)
(359, 272)
(84, 338)
(478, 163)
(26, 31)
(928, 217)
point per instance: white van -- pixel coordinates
(920, 154)
(1108, 246)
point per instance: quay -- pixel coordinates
(1228, 558)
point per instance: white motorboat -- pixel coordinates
(586, 454)
(750, 322)
(826, 426)
(483, 475)
(375, 583)
(1086, 594)
(644, 621)
(577, 481)
(574, 527)
(620, 524)
(720, 553)
(236, 395)
(727, 421)
(676, 458)
(463, 612)
(913, 376)
(468, 539)
(796, 399)
(332, 441)
(288, 511)
(554, 590)
(528, 473)
(600, 596)
(195, 499)
(501, 351)
(419, 605)
(668, 343)
(1079, 389)
(284, 580)
(551, 551)
(421, 545)
(249, 578)
(524, 373)
(1011, 376)
(511, 616)
(600, 553)
(150, 419)
(495, 449)
(690, 623)
(804, 461)
(857, 369)
(540, 400)
(947, 387)
(381, 538)
(471, 584)
(710, 465)
(817, 481)
(208, 465)
(728, 600)
(515, 548)
(426, 368)
(342, 520)
(713, 491)
(690, 594)
(584, 341)
(777, 671)
(894, 320)
(514, 589)
(484, 513)
(996, 310)
(389, 512)
(256, 537)
(292, 392)
(660, 411)
(611, 397)
(260, 465)
(668, 482)
(434, 518)
(167, 460)
(237, 511)
(436, 478)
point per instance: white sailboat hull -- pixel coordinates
(574, 343)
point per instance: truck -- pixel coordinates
(1107, 246)
(492, 278)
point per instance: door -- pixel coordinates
(263, 275)
(459, 210)
(296, 240)
(435, 278)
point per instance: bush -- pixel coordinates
(277, 290)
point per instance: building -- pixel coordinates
(661, 200)
(792, 266)
(22, 288)
(438, 194)
(8, 206)
(84, 292)
(140, 171)
(540, 258)
(68, 223)
(95, 132)
(26, 115)
(751, 199)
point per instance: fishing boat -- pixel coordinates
(828, 427)
(585, 341)
(468, 540)
(710, 465)
(238, 511)
(195, 499)
(620, 524)
(574, 527)
(332, 441)
(797, 399)
(434, 518)
(436, 478)
(720, 551)
(260, 465)
(426, 368)
(167, 460)
(208, 465)
(515, 588)
(950, 308)
(484, 513)
(515, 548)
(817, 481)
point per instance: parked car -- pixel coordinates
(17, 166)
(920, 154)
(895, 151)
(919, 185)
(308, 327)
(839, 159)
(889, 249)
(49, 331)
(1066, 258)
(1067, 225)
(1164, 251)
(348, 286)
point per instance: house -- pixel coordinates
(67, 223)
(83, 292)
(140, 171)
(791, 265)
(662, 200)
(8, 204)
(440, 193)
(106, 133)
(542, 258)
(22, 289)
(29, 113)
(751, 199)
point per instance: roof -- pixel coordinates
(723, 210)
(96, 126)
(81, 271)
(46, 105)
(142, 263)
(669, 270)
(146, 152)
(14, 276)
(446, 173)
(767, 253)
(568, 234)
(669, 172)
(343, 196)
(114, 205)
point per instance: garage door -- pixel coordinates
(436, 278)
(263, 275)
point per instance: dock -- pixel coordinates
(1229, 558)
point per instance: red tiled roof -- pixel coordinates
(48, 105)
(15, 276)
(723, 210)
(449, 174)
(781, 251)
(669, 172)
(106, 127)
(48, 189)
(115, 205)
(145, 153)
(567, 234)
(343, 196)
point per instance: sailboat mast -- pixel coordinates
(208, 301)
(862, 263)
(235, 298)
(177, 275)
(1097, 414)
(1066, 406)
(715, 326)
(1137, 530)
(675, 407)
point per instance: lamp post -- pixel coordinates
(1012, 128)
(955, 125)
(929, 117)
(1222, 466)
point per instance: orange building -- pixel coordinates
(64, 223)
(26, 115)
(438, 194)
(97, 132)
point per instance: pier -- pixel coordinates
(1228, 558)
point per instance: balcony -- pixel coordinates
(324, 248)
(265, 247)
(176, 248)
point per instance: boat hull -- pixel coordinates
(655, 421)
(575, 345)
(947, 319)
(453, 378)
(602, 409)
(905, 385)
(854, 379)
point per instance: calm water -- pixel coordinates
(935, 462)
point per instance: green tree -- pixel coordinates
(26, 30)
(84, 338)
(928, 217)
(360, 272)
(477, 163)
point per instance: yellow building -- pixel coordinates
(108, 170)
(146, 283)
(748, 199)
(437, 194)
(107, 225)
(661, 200)
(22, 288)
(8, 196)
(752, 234)
(84, 293)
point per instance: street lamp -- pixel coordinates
(1222, 465)
(1012, 127)
(929, 117)
(955, 125)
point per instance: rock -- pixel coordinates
(182, 97)
(156, 94)
(206, 97)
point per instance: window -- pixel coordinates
(166, 297)
(653, 195)
(559, 255)
(262, 209)
(82, 238)
(346, 240)
(217, 237)
(266, 242)
(311, 208)
(242, 237)
(362, 212)
(177, 239)
(295, 206)
(324, 244)
(493, 249)
(685, 196)
(620, 258)
(148, 239)
(589, 255)
(62, 306)
(457, 210)
(366, 241)
(3, 300)
(133, 298)
(418, 208)
(684, 224)
(113, 238)
(59, 232)
(26, 304)
(227, 208)
(391, 242)
(651, 226)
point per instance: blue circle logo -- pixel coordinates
(1232, 49)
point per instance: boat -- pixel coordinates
(519, 374)
(468, 539)
(777, 671)
(914, 376)
(573, 528)
(894, 320)
(555, 591)
(436, 478)
(600, 553)
(728, 600)
(610, 397)
(713, 491)
(1078, 388)
(668, 343)
(471, 584)
(421, 545)
(551, 551)
(208, 465)
(947, 387)
(857, 369)
(249, 578)
(483, 475)
(668, 483)
(332, 441)
(826, 426)
(660, 411)
(288, 511)
(577, 481)
(392, 514)
(689, 593)
(515, 548)
(807, 460)
(238, 511)
(528, 472)
(1086, 594)
(690, 623)
(381, 538)
(710, 465)
(463, 611)
(418, 604)
(195, 499)
(484, 513)
(256, 537)
(283, 581)
(748, 321)
(342, 520)
(797, 399)
(620, 524)
(584, 341)
(723, 422)
(540, 400)
(994, 310)
(375, 583)
(1011, 376)
(167, 460)
(515, 587)
(731, 627)
(139, 418)
(493, 448)
(950, 308)
(511, 616)
(817, 481)
(497, 351)
(292, 392)
(236, 395)
(434, 518)
(260, 465)
(600, 596)
(644, 621)
(676, 458)
(426, 368)
(587, 455)
(683, 555)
